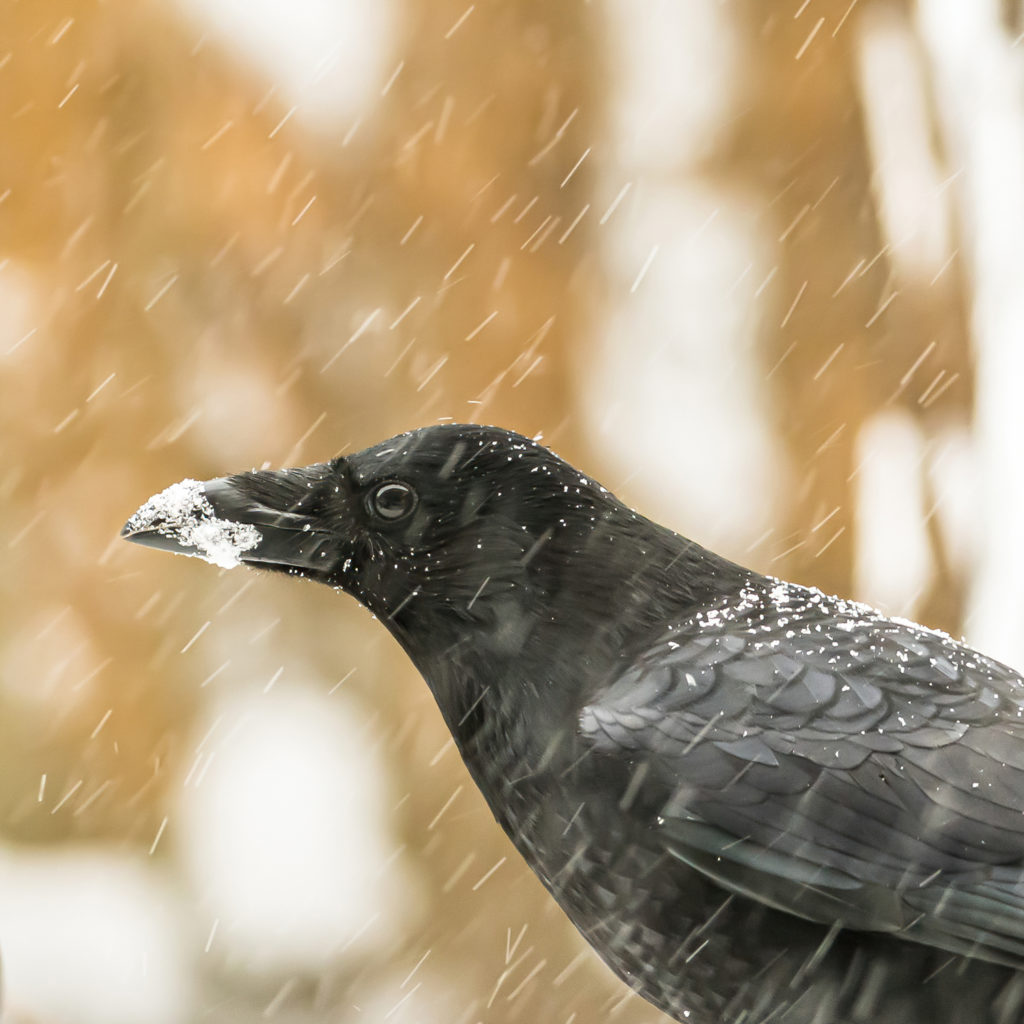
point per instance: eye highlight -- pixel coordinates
(392, 501)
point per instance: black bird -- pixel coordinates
(757, 802)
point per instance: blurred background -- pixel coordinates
(755, 266)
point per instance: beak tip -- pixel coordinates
(251, 519)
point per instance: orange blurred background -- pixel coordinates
(755, 267)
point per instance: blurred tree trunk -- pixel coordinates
(850, 329)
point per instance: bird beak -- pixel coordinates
(269, 518)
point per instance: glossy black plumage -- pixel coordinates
(757, 802)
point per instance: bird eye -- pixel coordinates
(393, 501)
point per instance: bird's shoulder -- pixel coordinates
(782, 665)
(831, 762)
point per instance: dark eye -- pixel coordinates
(393, 501)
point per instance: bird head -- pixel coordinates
(448, 525)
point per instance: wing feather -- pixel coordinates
(815, 755)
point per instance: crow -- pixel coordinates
(755, 801)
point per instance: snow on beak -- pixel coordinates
(257, 518)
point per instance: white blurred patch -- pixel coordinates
(421, 995)
(673, 390)
(911, 194)
(22, 300)
(953, 472)
(326, 58)
(893, 561)
(979, 81)
(90, 936)
(236, 416)
(675, 73)
(285, 831)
